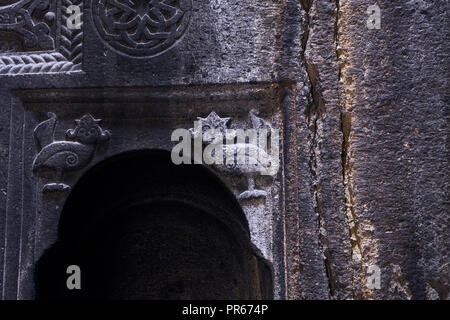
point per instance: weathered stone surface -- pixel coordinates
(396, 170)
(362, 113)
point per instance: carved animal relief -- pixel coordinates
(62, 156)
(250, 159)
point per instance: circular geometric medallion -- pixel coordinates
(141, 28)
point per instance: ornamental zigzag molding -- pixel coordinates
(66, 55)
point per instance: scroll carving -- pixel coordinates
(35, 40)
(62, 156)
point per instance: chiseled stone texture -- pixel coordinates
(365, 126)
(377, 95)
(394, 98)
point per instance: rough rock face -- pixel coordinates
(363, 114)
(383, 89)
(399, 107)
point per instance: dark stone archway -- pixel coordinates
(140, 227)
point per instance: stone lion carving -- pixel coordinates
(256, 159)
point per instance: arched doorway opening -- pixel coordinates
(140, 227)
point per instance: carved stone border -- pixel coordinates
(31, 218)
(66, 58)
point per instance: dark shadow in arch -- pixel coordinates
(141, 227)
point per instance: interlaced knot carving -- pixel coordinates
(27, 25)
(141, 28)
(35, 38)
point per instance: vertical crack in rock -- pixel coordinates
(346, 93)
(313, 117)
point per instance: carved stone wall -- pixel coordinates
(56, 148)
(361, 113)
(35, 37)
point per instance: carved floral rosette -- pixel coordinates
(141, 28)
